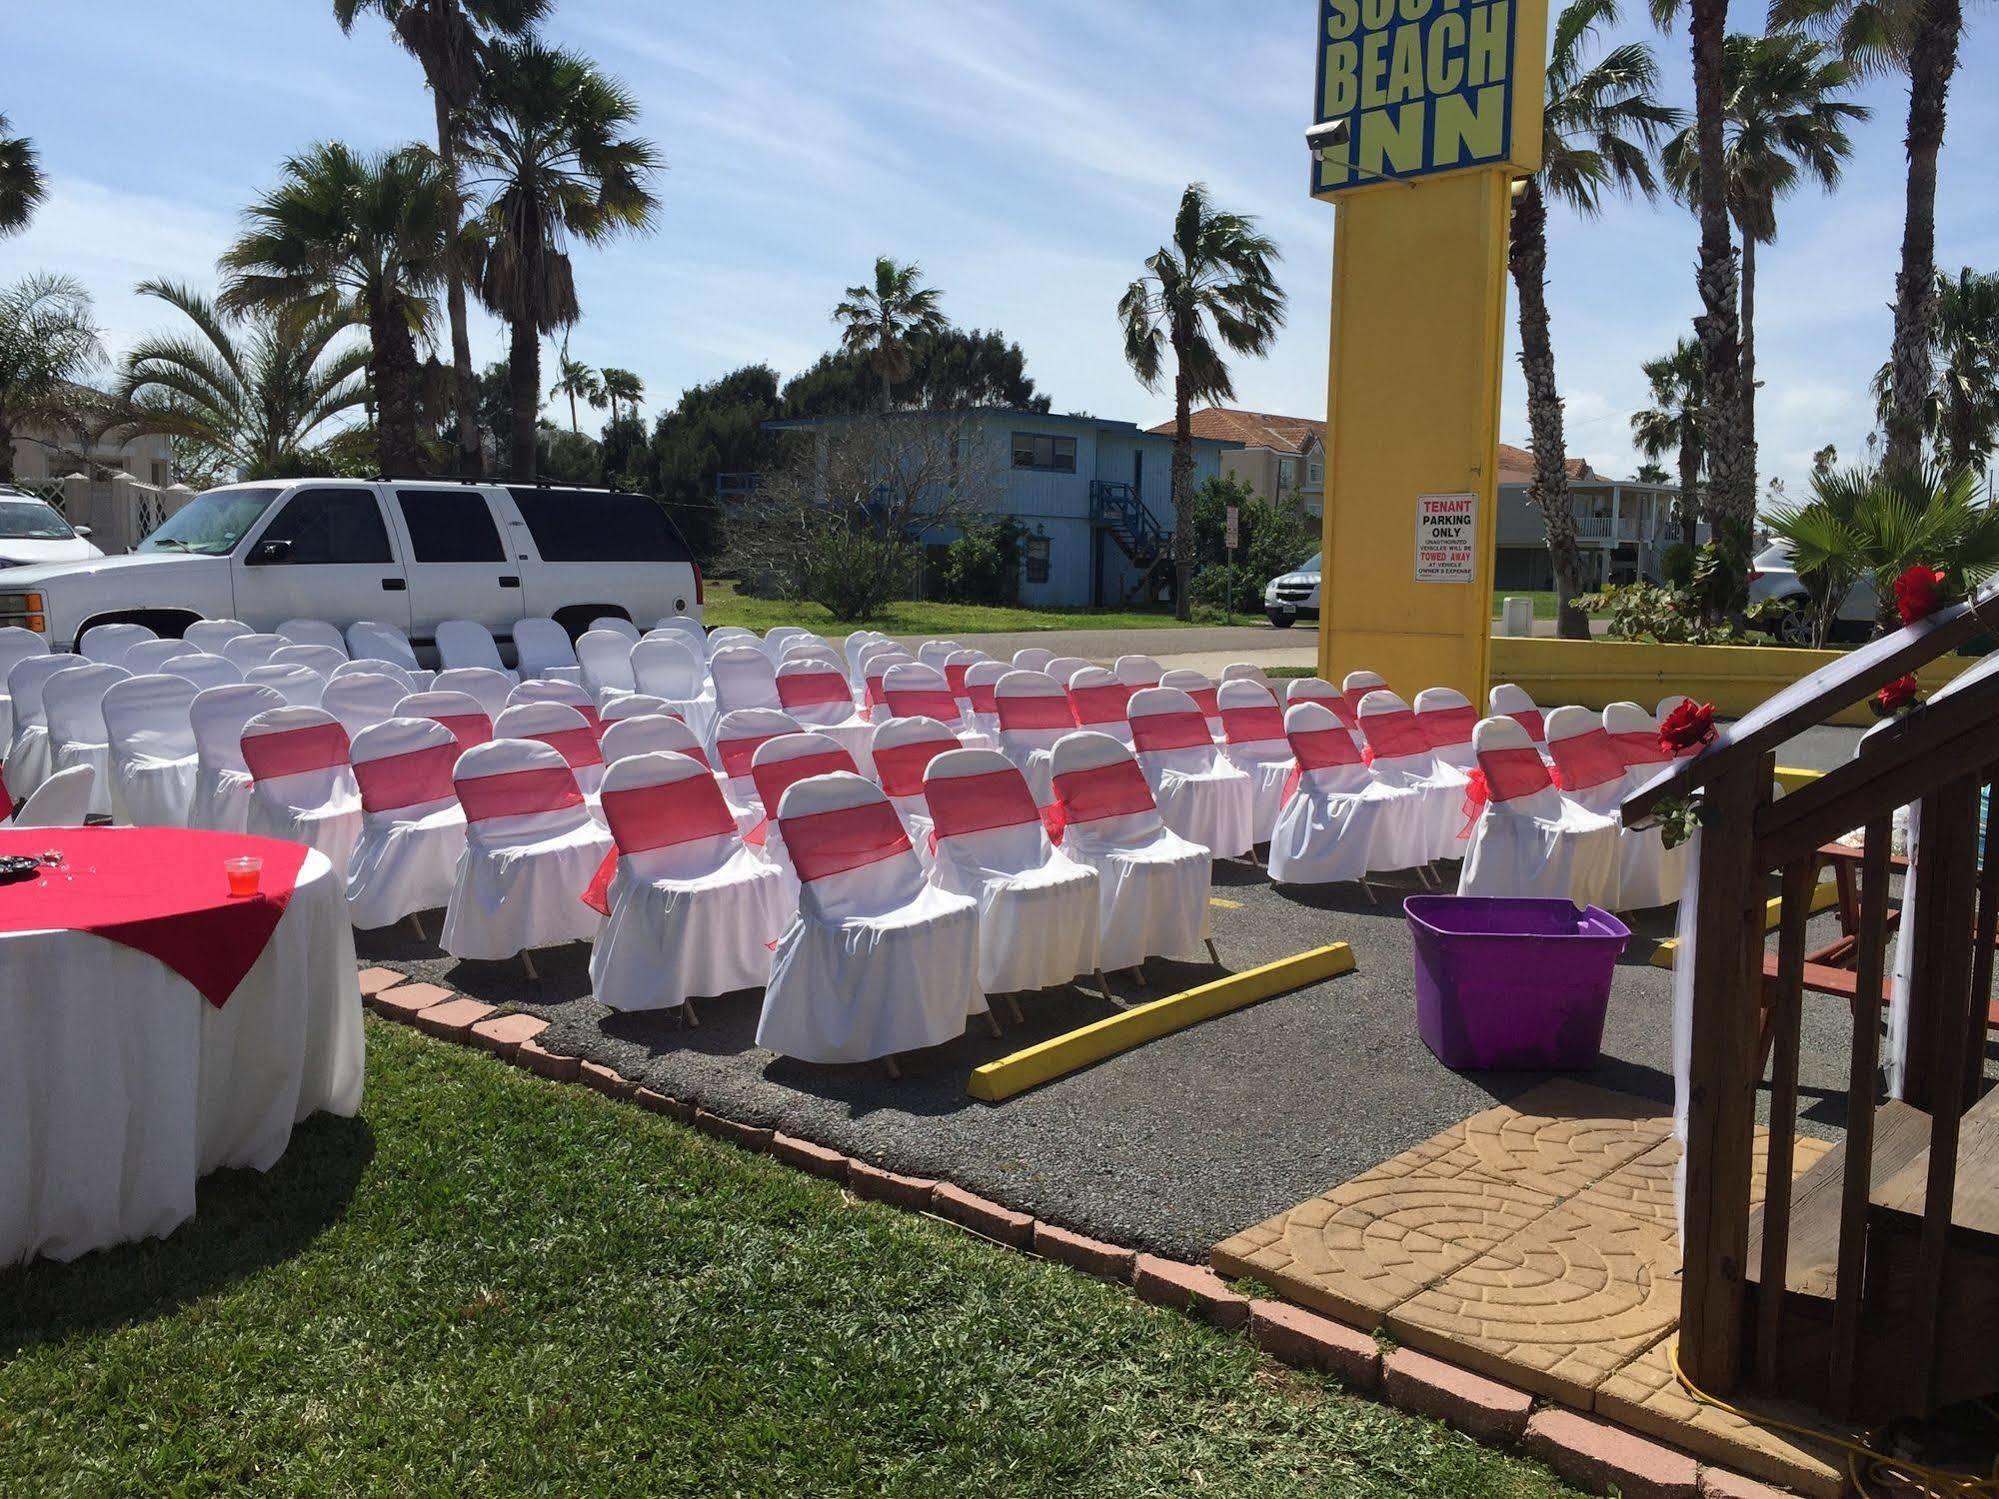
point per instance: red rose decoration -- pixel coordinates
(1897, 695)
(1687, 727)
(1918, 593)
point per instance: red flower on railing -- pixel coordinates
(1919, 593)
(1897, 695)
(1687, 727)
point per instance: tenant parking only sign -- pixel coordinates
(1446, 538)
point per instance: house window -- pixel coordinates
(1318, 472)
(1037, 559)
(159, 474)
(1287, 472)
(1054, 454)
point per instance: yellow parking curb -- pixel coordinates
(1073, 1050)
(1825, 895)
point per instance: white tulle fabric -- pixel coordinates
(877, 960)
(120, 1085)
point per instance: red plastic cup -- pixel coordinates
(244, 871)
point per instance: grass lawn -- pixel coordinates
(725, 606)
(489, 1284)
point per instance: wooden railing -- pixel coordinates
(1834, 1290)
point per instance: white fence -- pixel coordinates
(120, 511)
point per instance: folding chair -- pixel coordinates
(1254, 742)
(777, 766)
(1034, 714)
(148, 657)
(1356, 685)
(300, 686)
(692, 912)
(210, 635)
(1101, 702)
(727, 635)
(1245, 671)
(1447, 719)
(934, 653)
(1338, 822)
(1062, 668)
(488, 688)
(16, 645)
(913, 690)
(563, 730)
(777, 637)
(1199, 794)
(109, 643)
(323, 659)
(606, 660)
(1152, 885)
(878, 960)
(1037, 906)
(531, 849)
(1199, 687)
(658, 733)
(547, 690)
(1648, 873)
(635, 705)
(221, 777)
(29, 754)
(467, 643)
(412, 828)
(665, 666)
(62, 801)
(376, 666)
(369, 639)
(1527, 838)
(743, 678)
(457, 711)
(981, 682)
(1588, 767)
(902, 751)
(875, 665)
(1398, 754)
(203, 670)
(816, 693)
(1508, 701)
(737, 738)
(542, 651)
(314, 632)
(153, 753)
(73, 703)
(1032, 658)
(617, 624)
(1138, 672)
(301, 784)
(248, 652)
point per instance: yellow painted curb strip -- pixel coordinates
(1824, 896)
(1074, 1050)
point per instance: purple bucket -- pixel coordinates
(1512, 983)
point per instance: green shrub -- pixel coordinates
(983, 565)
(854, 572)
(1676, 565)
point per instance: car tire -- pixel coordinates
(1280, 621)
(1794, 628)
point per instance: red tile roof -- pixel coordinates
(1517, 464)
(1253, 429)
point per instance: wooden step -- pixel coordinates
(1974, 1208)
(1811, 1268)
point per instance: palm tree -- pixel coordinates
(1783, 122)
(577, 379)
(1920, 39)
(447, 38)
(22, 185)
(1961, 414)
(249, 393)
(1672, 424)
(547, 153)
(878, 321)
(48, 342)
(1212, 290)
(359, 234)
(1600, 120)
(622, 385)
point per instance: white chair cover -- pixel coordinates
(777, 766)
(413, 681)
(457, 711)
(954, 668)
(875, 664)
(635, 705)
(737, 738)
(1398, 753)
(1253, 735)
(323, 659)
(204, 670)
(368, 639)
(1588, 768)
(1138, 671)
(1034, 714)
(682, 624)
(811, 647)
(301, 783)
(1032, 658)
(542, 649)
(1648, 873)
(109, 643)
(62, 801)
(1356, 685)
(412, 828)
(726, 635)
(606, 659)
(1529, 839)
(1061, 668)
(211, 635)
(1447, 719)
(856, 642)
(564, 730)
(28, 751)
(912, 690)
(554, 690)
(362, 699)
(153, 755)
(664, 665)
(73, 703)
(878, 960)
(1311, 690)
(1101, 703)
(1508, 701)
(616, 624)
(692, 911)
(981, 708)
(314, 632)
(150, 656)
(1202, 690)
(531, 850)
(1200, 795)
(1339, 823)
(743, 678)
(1244, 671)
(488, 688)
(300, 686)
(1037, 906)
(661, 734)
(903, 750)
(1152, 885)
(467, 643)
(221, 779)
(250, 651)
(16, 645)
(816, 693)
(934, 653)
(777, 637)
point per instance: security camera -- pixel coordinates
(1328, 135)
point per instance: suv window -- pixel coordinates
(570, 525)
(450, 525)
(331, 525)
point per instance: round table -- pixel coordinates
(186, 1032)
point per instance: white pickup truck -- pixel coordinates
(403, 552)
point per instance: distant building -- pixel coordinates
(1270, 454)
(40, 453)
(1095, 496)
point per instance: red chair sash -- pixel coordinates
(1351, 702)
(1112, 790)
(1253, 725)
(1511, 773)
(468, 728)
(1392, 735)
(872, 686)
(1204, 699)
(292, 752)
(1639, 748)
(1038, 712)
(1105, 704)
(1323, 749)
(899, 767)
(576, 746)
(644, 818)
(923, 702)
(515, 793)
(975, 804)
(1445, 727)
(954, 678)
(983, 696)
(407, 780)
(775, 777)
(1185, 729)
(1587, 760)
(1530, 719)
(737, 753)
(829, 843)
(814, 689)
(1340, 708)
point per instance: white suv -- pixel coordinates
(1294, 596)
(403, 552)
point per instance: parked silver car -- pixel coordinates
(1294, 596)
(1772, 575)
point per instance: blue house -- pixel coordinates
(1095, 497)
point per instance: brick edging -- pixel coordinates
(1583, 1449)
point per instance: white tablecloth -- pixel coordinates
(120, 1085)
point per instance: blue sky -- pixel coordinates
(1028, 154)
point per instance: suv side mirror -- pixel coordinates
(81, 530)
(273, 551)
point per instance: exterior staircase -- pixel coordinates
(1117, 510)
